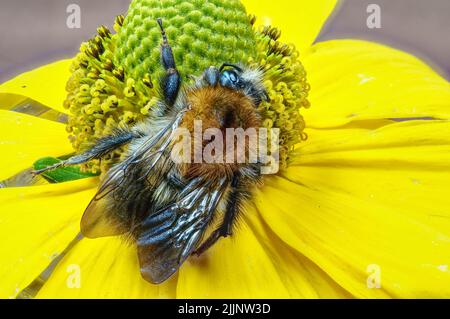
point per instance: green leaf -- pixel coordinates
(60, 175)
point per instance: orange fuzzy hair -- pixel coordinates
(221, 108)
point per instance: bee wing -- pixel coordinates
(100, 220)
(101, 217)
(169, 236)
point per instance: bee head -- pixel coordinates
(239, 78)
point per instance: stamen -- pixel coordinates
(287, 89)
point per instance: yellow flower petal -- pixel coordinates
(45, 85)
(301, 277)
(25, 139)
(407, 164)
(363, 200)
(108, 268)
(36, 224)
(235, 267)
(299, 20)
(357, 80)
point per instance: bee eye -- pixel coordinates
(229, 78)
(233, 76)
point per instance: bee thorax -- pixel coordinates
(211, 127)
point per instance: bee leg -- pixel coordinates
(225, 229)
(103, 146)
(171, 81)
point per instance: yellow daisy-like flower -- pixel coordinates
(366, 195)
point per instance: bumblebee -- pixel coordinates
(163, 206)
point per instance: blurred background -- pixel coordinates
(34, 32)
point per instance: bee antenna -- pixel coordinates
(231, 65)
(163, 32)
